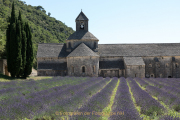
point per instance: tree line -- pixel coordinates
(44, 29)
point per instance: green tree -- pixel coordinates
(23, 42)
(13, 45)
(29, 52)
(10, 35)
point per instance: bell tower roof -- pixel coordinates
(81, 16)
(81, 22)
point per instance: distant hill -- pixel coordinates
(44, 28)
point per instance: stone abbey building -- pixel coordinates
(81, 55)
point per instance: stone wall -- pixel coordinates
(51, 72)
(110, 58)
(76, 64)
(135, 71)
(163, 66)
(1, 66)
(51, 66)
(111, 73)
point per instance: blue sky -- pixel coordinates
(121, 21)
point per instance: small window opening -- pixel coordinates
(69, 44)
(83, 69)
(169, 76)
(93, 68)
(150, 65)
(167, 65)
(72, 69)
(177, 65)
(95, 45)
(82, 25)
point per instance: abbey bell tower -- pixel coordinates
(81, 22)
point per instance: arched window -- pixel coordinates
(152, 75)
(83, 69)
(95, 45)
(94, 69)
(150, 65)
(69, 44)
(167, 65)
(72, 69)
(177, 65)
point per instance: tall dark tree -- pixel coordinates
(10, 47)
(29, 52)
(23, 42)
(18, 47)
(13, 45)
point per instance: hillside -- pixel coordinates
(44, 28)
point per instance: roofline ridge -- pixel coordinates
(53, 43)
(138, 43)
(80, 14)
(83, 45)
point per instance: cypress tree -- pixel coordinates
(24, 44)
(8, 45)
(29, 52)
(13, 45)
(12, 35)
(18, 46)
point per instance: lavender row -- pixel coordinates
(141, 82)
(167, 117)
(25, 106)
(169, 99)
(167, 82)
(124, 104)
(32, 84)
(149, 106)
(169, 89)
(97, 102)
(73, 103)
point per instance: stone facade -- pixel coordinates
(90, 64)
(81, 55)
(3, 67)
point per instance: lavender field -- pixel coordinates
(91, 98)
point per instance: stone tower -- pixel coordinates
(82, 22)
(82, 35)
(82, 47)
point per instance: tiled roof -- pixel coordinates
(52, 66)
(81, 16)
(111, 64)
(158, 49)
(82, 50)
(82, 35)
(125, 50)
(133, 61)
(51, 50)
